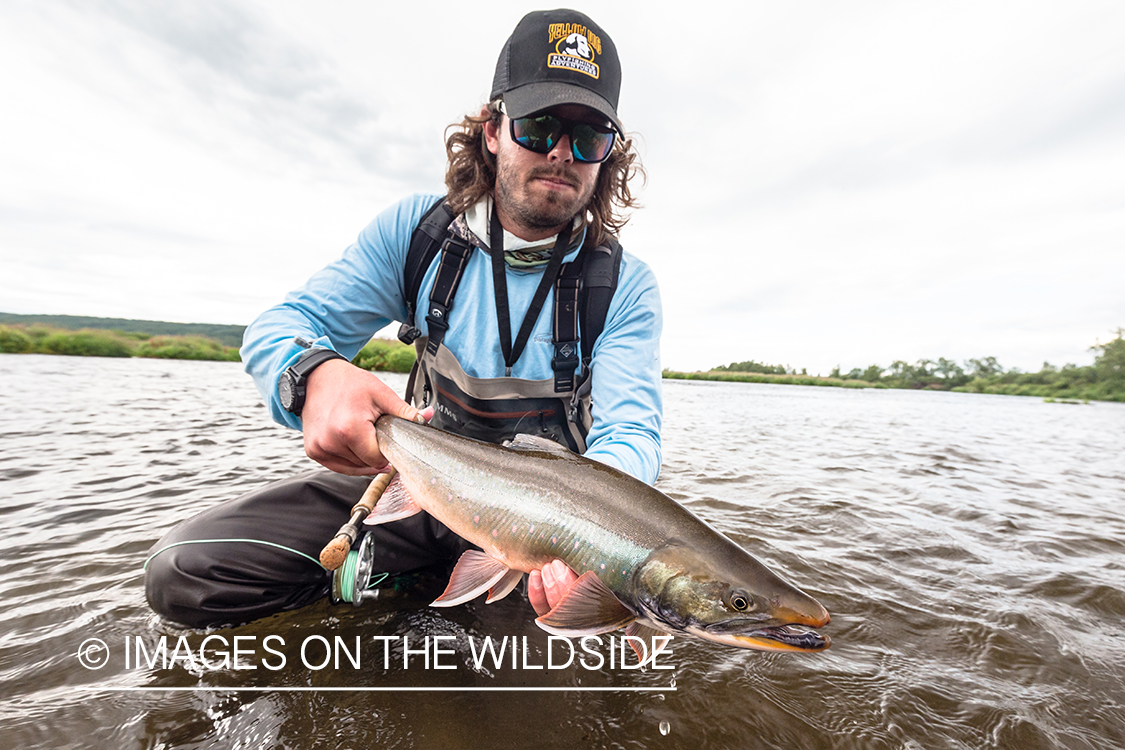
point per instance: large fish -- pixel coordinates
(644, 562)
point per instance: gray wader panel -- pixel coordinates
(496, 409)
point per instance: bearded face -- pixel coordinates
(540, 192)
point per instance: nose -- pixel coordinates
(561, 152)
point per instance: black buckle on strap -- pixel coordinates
(437, 321)
(407, 333)
(564, 363)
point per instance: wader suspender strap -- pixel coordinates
(512, 351)
(454, 254)
(585, 284)
(565, 361)
(425, 243)
(600, 270)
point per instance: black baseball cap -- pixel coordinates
(558, 57)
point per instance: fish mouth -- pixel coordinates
(777, 638)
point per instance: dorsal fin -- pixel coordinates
(523, 442)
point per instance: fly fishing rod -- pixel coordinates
(335, 552)
(351, 575)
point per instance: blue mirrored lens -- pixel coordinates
(588, 143)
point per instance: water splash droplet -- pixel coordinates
(665, 727)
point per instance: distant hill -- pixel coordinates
(225, 334)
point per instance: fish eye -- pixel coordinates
(740, 603)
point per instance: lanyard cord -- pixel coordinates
(500, 284)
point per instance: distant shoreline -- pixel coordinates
(1048, 392)
(227, 335)
(122, 337)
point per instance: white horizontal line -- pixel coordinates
(407, 689)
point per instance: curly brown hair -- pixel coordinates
(471, 174)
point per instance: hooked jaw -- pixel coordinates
(784, 629)
(795, 632)
(772, 628)
(795, 635)
(777, 638)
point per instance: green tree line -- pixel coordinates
(227, 335)
(39, 339)
(1104, 380)
(378, 354)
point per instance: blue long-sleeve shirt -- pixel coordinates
(345, 303)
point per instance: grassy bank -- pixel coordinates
(1054, 393)
(388, 355)
(1102, 381)
(379, 354)
(762, 377)
(227, 335)
(39, 339)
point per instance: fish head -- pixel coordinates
(723, 594)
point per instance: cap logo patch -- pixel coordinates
(575, 48)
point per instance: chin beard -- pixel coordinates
(546, 213)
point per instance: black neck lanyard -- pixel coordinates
(500, 282)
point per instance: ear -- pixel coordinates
(491, 134)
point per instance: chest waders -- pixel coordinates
(497, 409)
(558, 408)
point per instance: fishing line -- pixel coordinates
(243, 541)
(345, 579)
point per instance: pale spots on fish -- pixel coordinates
(554, 540)
(576, 544)
(514, 527)
(476, 519)
(495, 533)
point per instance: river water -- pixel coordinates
(971, 549)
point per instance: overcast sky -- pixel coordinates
(829, 183)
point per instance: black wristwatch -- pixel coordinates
(291, 384)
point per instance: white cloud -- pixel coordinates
(829, 184)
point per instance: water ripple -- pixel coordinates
(969, 548)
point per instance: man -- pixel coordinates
(537, 182)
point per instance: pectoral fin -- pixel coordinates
(395, 504)
(588, 608)
(474, 574)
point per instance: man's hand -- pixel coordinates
(545, 589)
(342, 402)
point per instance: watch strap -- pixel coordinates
(310, 360)
(298, 374)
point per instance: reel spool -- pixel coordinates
(351, 582)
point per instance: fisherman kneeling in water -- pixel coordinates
(523, 242)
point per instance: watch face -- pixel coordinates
(285, 391)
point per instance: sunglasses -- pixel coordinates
(540, 133)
